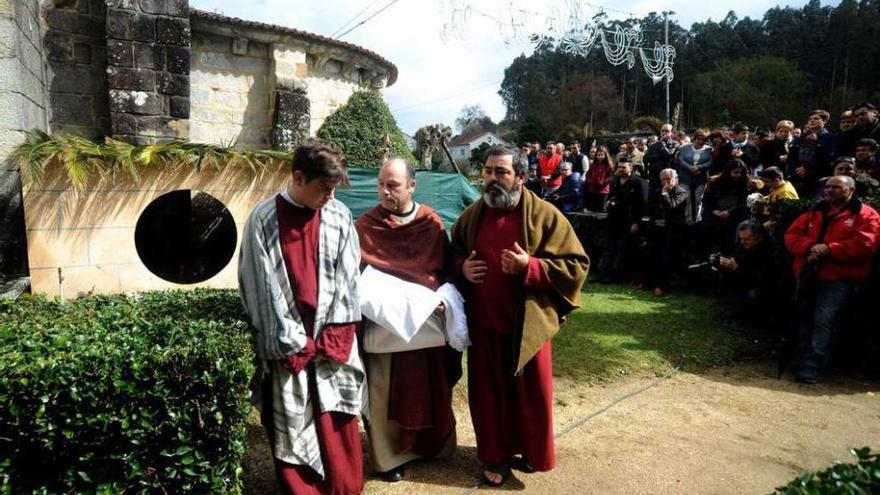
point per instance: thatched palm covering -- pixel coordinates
(82, 157)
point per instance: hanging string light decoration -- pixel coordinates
(621, 50)
(660, 65)
(569, 30)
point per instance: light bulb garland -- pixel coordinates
(567, 29)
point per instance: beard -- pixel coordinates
(497, 196)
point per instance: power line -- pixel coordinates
(448, 97)
(374, 2)
(374, 14)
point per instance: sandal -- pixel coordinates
(502, 470)
(522, 465)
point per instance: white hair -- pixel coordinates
(669, 172)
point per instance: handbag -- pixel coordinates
(380, 340)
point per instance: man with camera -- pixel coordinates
(752, 272)
(833, 246)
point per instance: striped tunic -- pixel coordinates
(266, 293)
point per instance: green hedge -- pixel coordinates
(785, 212)
(860, 478)
(142, 394)
(361, 127)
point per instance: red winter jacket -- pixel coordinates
(852, 236)
(549, 166)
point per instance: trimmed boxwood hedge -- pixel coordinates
(141, 394)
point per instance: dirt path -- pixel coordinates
(735, 430)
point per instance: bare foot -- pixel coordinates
(493, 477)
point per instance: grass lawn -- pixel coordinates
(622, 331)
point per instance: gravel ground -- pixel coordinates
(730, 430)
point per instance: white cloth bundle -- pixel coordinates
(401, 314)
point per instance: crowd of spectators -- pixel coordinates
(706, 199)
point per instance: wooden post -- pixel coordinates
(449, 155)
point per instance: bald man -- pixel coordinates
(410, 414)
(832, 246)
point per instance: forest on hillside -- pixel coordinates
(757, 71)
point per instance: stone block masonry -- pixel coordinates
(230, 94)
(88, 236)
(148, 69)
(23, 106)
(76, 55)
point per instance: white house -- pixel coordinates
(460, 146)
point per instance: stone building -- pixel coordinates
(148, 71)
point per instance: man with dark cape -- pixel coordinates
(522, 272)
(298, 274)
(410, 392)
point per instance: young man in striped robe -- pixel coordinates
(298, 281)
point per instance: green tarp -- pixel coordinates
(447, 193)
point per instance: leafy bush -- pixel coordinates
(141, 394)
(842, 479)
(649, 122)
(365, 130)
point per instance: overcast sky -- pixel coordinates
(436, 78)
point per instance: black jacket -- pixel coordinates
(846, 143)
(750, 155)
(658, 156)
(626, 201)
(756, 268)
(771, 151)
(813, 155)
(672, 207)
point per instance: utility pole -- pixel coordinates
(666, 42)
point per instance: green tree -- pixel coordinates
(365, 130)
(832, 47)
(478, 154)
(473, 118)
(758, 91)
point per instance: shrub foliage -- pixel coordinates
(859, 478)
(365, 130)
(109, 394)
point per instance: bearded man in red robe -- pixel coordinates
(522, 271)
(410, 391)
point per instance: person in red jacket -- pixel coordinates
(548, 167)
(833, 247)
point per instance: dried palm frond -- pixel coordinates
(82, 157)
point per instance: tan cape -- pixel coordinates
(549, 237)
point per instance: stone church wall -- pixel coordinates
(23, 106)
(230, 93)
(150, 71)
(76, 60)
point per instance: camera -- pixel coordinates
(714, 263)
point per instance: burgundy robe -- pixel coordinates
(420, 400)
(338, 435)
(511, 414)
